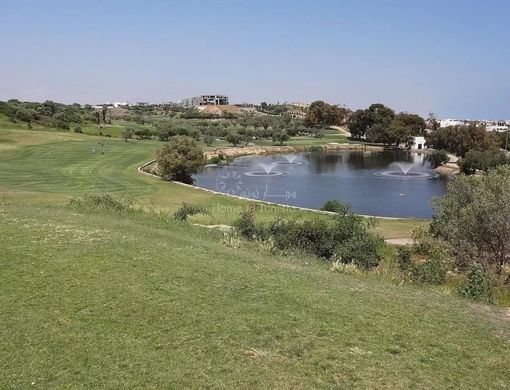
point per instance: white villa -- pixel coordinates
(418, 143)
(451, 122)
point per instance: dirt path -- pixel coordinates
(399, 241)
(342, 130)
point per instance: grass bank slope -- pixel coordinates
(97, 299)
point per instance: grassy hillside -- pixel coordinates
(99, 299)
(95, 299)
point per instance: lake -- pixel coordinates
(385, 183)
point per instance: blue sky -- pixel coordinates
(448, 57)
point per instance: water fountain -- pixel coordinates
(267, 167)
(290, 159)
(405, 172)
(267, 171)
(405, 167)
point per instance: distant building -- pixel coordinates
(300, 105)
(296, 113)
(451, 122)
(205, 100)
(496, 128)
(418, 143)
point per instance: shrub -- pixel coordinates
(335, 206)
(187, 210)
(180, 159)
(437, 158)
(208, 140)
(403, 257)
(361, 249)
(78, 129)
(432, 271)
(482, 160)
(477, 286)
(234, 139)
(102, 202)
(472, 219)
(344, 237)
(246, 227)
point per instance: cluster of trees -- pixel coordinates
(321, 114)
(380, 124)
(461, 139)
(478, 148)
(48, 114)
(482, 160)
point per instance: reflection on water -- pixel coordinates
(388, 183)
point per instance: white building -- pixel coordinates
(418, 143)
(205, 100)
(499, 128)
(451, 122)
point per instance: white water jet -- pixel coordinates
(405, 167)
(290, 158)
(267, 167)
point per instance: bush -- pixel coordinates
(180, 159)
(234, 139)
(343, 237)
(102, 202)
(77, 129)
(404, 259)
(335, 206)
(246, 227)
(187, 210)
(478, 160)
(208, 140)
(437, 158)
(477, 286)
(432, 271)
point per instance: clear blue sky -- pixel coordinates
(449, 57)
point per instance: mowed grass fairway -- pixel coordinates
(97, 299)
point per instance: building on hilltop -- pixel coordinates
(205, 100)
(451, 122)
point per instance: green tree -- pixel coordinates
(413, 122)
(104, 110)
(462, 139)
(280, 137)
(381, 114)
(321, 114)
(478, 160)
(208, 140)
(473, 219)
(128, 134)
(234, 139)
(180, 159)
(359, 122)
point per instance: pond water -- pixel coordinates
(389, 183)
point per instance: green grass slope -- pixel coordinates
(96, 299)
